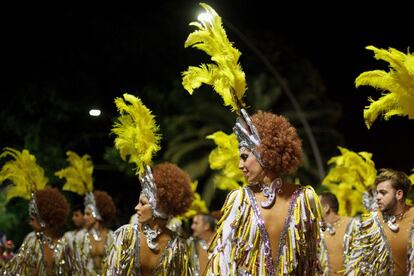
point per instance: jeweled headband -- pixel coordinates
(247, 134)
(34, 211)
(91, 204)
(150, 191)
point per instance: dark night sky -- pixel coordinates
(72, 48)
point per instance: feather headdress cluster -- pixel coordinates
(78, 174)
(399, 82)
(225, 157)
(225, 75)
(197, 206)
(137, 133)
(25, 175)
(352, 174)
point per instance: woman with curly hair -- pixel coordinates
(149, 247)
(270, 226)
(93, 241)
(44, 251)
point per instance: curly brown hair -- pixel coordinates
(174, 194)
(280, 147)
(105, 205)
(53, 207)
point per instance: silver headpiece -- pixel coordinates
(90, 203)
(34, 211)
(247, 134)
(150, 191)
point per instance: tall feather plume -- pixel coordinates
(351, 174)
(197, 206)
(78, 174)
(397, 85)
(225, 75)
(225, 157)
(25, 175)
(137, 133)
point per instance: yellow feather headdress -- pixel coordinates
(225, 75)
(225, 157)
(137, 133)
(399, 82)
(78, 174)
(197, 206)
(351, 175)
(24, 173)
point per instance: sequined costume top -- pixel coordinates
(29, 259)
(70, 237)
(84, 252)
(371, 248)
(124, 256)
(241, 245)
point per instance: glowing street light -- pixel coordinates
(95, 112)
(205, 17)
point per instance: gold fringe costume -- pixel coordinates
(29, 258)
(241, 245)
(84, 251)
(70, 237)
(27, 177)
(368, 250)
(124, 257)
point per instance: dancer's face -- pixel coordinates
(144, 210)
(386, 196)
(34, 223)
(250, 167)
(89, 220)
(77, 218)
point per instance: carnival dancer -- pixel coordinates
(149, 247)
(78, 176)
(92, 242)
(270, 226)
(44, 251)
(381, 242)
